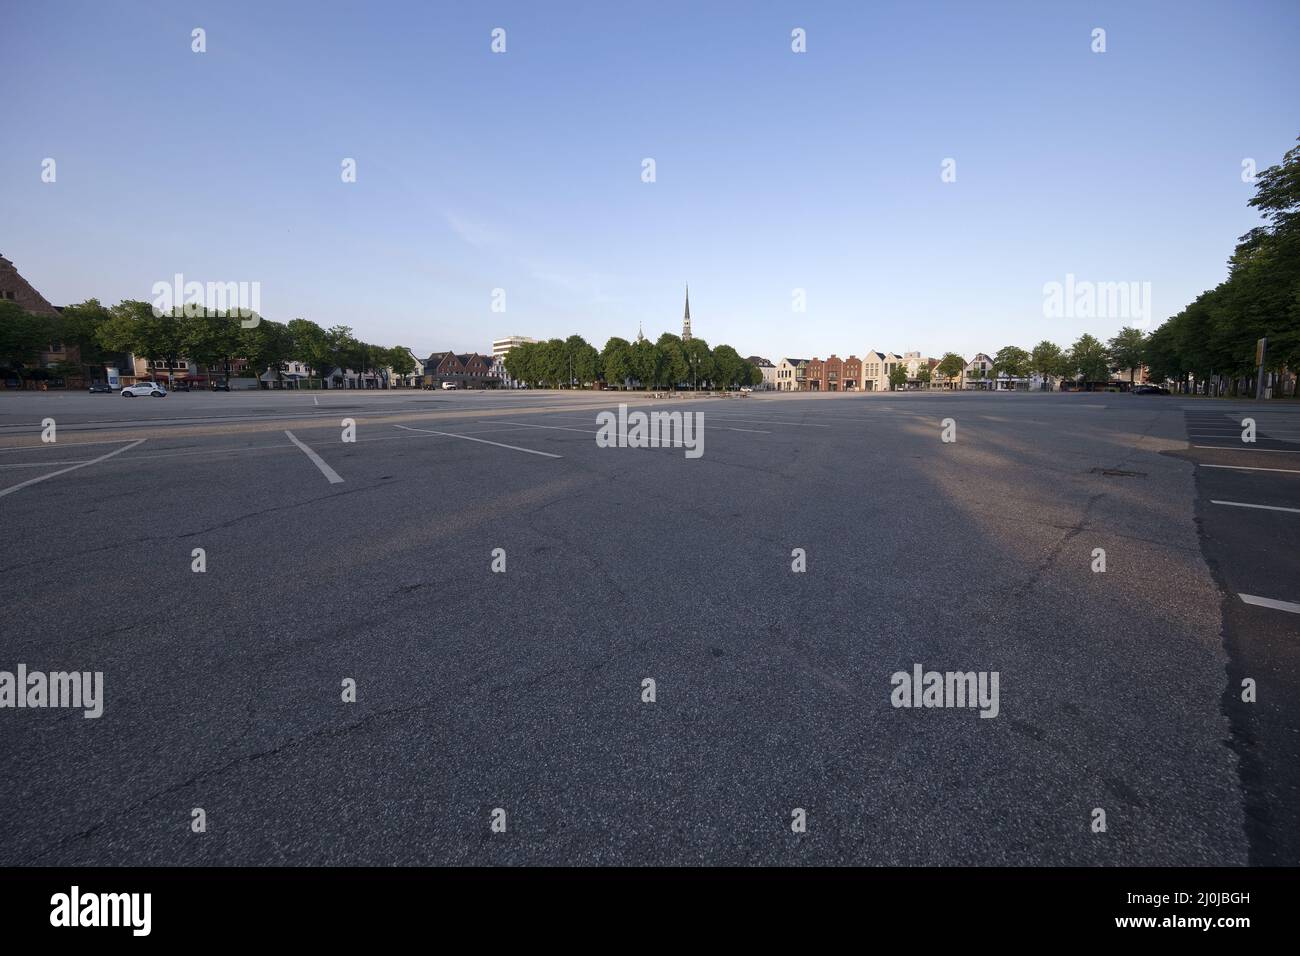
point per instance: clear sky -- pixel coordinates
(522, 171)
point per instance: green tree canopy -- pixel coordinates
(1012, 361)
(1089, 359)
(616, 362)
(951, 366)
(1127, 350)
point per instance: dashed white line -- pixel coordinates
(330, 474)
(63, 471)
(1244, 504)
(1269, 602)
(482, 441)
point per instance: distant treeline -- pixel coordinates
(1214, 337)
(207, 339)
(667, 363)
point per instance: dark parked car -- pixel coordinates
(1150, 390)
(181, 387)
(101, 388)
(220, 386)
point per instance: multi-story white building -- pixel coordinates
(767, 368)
(500, 348)
(791, 374)
(915, 361)
(876, 367)
(979, 372)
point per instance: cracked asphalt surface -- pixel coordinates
(522, 690)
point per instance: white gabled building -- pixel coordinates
(411, 379)
(979, 372)
(767, 368)
(876, 367)
(790, 375)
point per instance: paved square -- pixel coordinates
(372, 561)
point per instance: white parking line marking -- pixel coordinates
(1287, 471)
(63, 471)
(762, 421)
(1243, 504)
(587, 431)
(64, 446)
(555, 428)
(482, 441)
(332, 475)
(1275, 451)
(44, 464)
(1269, 602)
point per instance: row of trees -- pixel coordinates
(1087, 360)
(24, 336)
(1213, 339)
(209, 340)
(667, 363)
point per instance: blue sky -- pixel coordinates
(522, 171)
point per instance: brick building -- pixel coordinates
(834, 374)
(467, 370)
(14, 288)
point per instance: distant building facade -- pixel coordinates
(767, 368)
(466, 370)
(59, 365)
(791, 375)
(500, 349)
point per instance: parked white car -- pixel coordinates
(449, 385)
(145, 388)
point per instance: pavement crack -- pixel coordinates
(326, 733)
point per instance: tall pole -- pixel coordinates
(1260, 348)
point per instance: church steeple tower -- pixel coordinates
(686, 320)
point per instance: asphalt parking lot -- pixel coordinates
(372, 561)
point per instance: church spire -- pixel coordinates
(686, 320)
